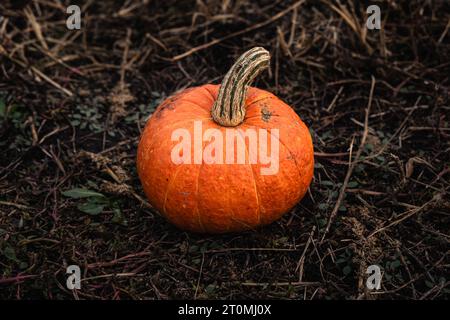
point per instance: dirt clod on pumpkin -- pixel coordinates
(265, 114)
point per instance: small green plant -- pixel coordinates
(87, 117)
(344, 262)
(144, 111)
(94, 203)
(393, 270)
(2, 108)
(14, 116)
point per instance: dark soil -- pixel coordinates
(73, 104)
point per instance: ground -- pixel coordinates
(73, 104)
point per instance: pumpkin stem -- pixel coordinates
(229, 108)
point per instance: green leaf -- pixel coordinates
(381, 158)
(395, 264)
(347, 270)
(78, 193)
(215, 245)
(118, 217)
(352, 184)
(193, 248)
(210, 288)
(326, 183)
(322, 222)
(10, 253)
(2, 108)
(92, 208)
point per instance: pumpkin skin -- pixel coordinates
(219, 198)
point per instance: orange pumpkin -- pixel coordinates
(225, 196)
